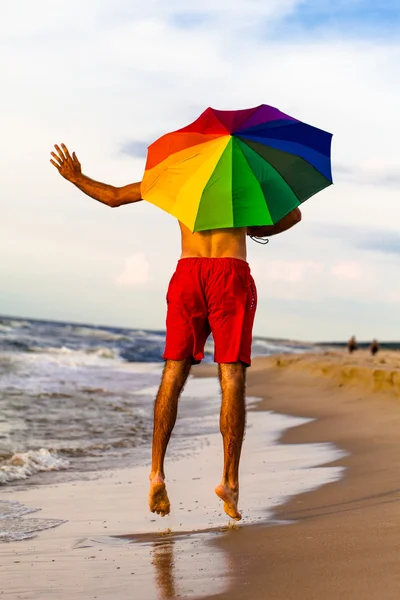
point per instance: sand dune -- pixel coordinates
(372, 374)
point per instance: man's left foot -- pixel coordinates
(158, 497)
(230, 497)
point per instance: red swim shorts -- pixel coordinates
(211, 295)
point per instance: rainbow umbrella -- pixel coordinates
(237, 168)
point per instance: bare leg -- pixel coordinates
(232, 426)
(165, 410)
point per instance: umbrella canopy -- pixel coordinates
(237, 168)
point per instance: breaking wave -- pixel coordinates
(25, 464)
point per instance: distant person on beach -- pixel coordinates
(211, 291)
(352, 345)
(374, 347)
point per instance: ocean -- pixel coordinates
(73, 397)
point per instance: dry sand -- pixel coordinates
(343, 540)
(380, 373)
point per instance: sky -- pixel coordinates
(107, 77)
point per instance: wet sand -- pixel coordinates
(344, 540)
(340, 541)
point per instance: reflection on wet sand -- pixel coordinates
(168, 565)
(163, 561)
(182, 566)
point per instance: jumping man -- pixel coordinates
(211, 291)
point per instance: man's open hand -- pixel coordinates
(68, 166)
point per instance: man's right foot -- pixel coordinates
(158, 497)
(230, 497)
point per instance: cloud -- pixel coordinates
(386, 241)
(306, 271)
(22, 19)
(325, 279)
(191, 20)
(137, 149)
(369, 174)
(347, 271)
(289, 271)
(393, 297)
(136, 271)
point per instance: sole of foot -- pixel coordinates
(230, 499)
(158, 497)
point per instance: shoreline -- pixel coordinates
(179, 556)
(341, 540)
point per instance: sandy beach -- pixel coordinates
(338, 541)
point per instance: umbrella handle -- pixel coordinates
(263, 241)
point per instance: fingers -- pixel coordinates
(66, 153)
(63, 161)
(57, 162)
(60, 153)
(53, 162)
(62, 156)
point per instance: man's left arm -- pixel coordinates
(283, 225)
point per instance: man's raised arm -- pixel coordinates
(70, 168)
(283, 225)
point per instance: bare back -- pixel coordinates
(215, 243)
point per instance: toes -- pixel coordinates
(232, 512)
(160, 511)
